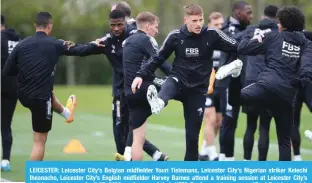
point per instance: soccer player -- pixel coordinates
(255, 65)
(34, 61)
(214, 106)
(188, 82)
(240, 19)
(277, 86)
(138, 48)
(9, 39)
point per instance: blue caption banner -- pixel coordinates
(171, 171)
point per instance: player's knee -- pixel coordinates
(40, 138)
(210, 116)
(139, 135)
(218, 120)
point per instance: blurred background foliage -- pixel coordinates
(85, 20)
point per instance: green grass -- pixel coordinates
(93, 127)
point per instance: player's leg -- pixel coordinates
(264, 134)
(229, 123)
(208, 126)
(169, 90)
(68, 111)
(148, 147)
(41, 112)
(223, 105)
(295, 133)
(252, 117)
(193, 115)
(8, 104)
(118, 127)
(283, 116)
(139, 111)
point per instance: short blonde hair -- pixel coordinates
(214, 16)
(193, 9)
(146, 17)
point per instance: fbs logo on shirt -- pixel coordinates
(290, 50)
(192, 52)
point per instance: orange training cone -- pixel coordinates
(74, 146)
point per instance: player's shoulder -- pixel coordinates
(174, 33)
(106, 37)
(153, 41)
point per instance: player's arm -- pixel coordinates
(212, 81)
(222, 42)
(256, 45)
(92, 48)
(11, 66)
(162, 55)
(151, 47)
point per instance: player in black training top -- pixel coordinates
(34, 61)
(188, 82)
(137, 50)
(254, 66)
(277, 86)
(9, 39)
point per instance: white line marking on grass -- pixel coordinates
(163, 128)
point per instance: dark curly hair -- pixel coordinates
(291, 18)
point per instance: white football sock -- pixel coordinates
(203, 150)
(65, 113)
(127, 154)
(156, 155)
(212, 152)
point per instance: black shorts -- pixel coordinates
(139, 108)
(217, 99)
(41, 113)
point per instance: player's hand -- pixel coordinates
(69, 44)
(210, 90)
(136, 84)
(257, 37)
(98, 42)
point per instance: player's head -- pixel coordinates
(44, 22)
(270, 11)
(147, 22)
(215, 20)
(242, 11)
(117, 22)
(2, 22)
(123, 6)
(290, 18)
(194, 18)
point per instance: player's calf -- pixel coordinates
(138, 142)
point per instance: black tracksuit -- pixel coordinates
(34, 61)
(9, 39)
(234, 29)
(276, 87)
(189, 78)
